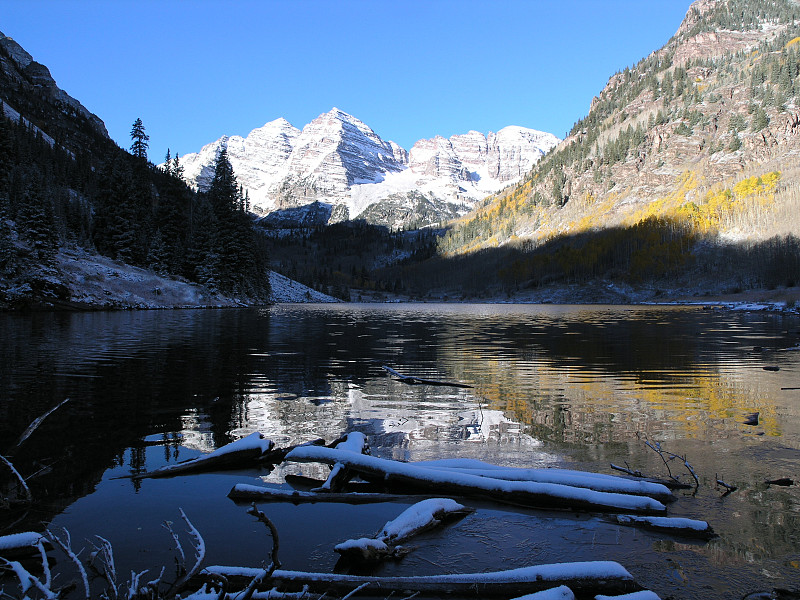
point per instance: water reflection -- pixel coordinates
(551, 385)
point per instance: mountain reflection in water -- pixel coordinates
(552, 386)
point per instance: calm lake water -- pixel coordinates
(562, 386)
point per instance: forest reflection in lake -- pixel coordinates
(552, 386)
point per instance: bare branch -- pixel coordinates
(627, 469)
(276, 563)
(28, 495)
(200, 553)
(36, 422)
(728, 488)
(66, 546)
(178, 546)
(355, 591)
(26, 580)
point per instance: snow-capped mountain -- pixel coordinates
(340, 163)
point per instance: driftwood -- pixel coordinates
(672, 525)
(420, 517)
(524, 493)
(22, 545)
(411, 380)
(35, 424)
(241, 453)
(593, 481)
(584, 578)
(21, 485)
(276, 455)
(561, 592)
(244, 492)
(673, 484)
(355, 441)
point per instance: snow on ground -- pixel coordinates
(289, 290)
(99, 282)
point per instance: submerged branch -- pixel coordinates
(411, 380)
(35, 424)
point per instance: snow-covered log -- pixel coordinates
(561, 592)
(252, 493)
(525, 493)
(641, 595)
(276, 455)
(355, 441)
(420, 517)
(19, 545)
(593, 481)
(240, 453)
(674, 525)
(583, 578)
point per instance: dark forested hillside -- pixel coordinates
(65, 184)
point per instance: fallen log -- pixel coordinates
(241, 453)
(561, 592)
(593, 481)
(355, 441)
(253, 493)
(276, 455)
(411, 380)
(422, 516)
(22, 545)
(640, 595)
(673, 525)
(585, 579)
(525, 493)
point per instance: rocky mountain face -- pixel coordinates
(703, 135)
(27, 88)
(339, 162)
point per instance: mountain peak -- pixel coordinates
(339, 161)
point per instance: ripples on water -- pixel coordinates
(553, 386)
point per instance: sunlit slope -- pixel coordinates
(697, 143)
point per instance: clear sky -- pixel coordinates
(194, 70)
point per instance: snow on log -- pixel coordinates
(205, 594)
(355, 441)
(641, 595)
(675, 525)
(250, 493)
(420, 517)
(276, 455)
(593, 481)
(583, 578)
(236, 454)
(525, 493)
(561, 592)
(23, 544)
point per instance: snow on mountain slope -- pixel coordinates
(340, 161)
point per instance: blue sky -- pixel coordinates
(194, 70)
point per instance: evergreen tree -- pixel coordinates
(168, 164)
(35, 220)
(140, 139)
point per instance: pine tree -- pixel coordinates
(140, 139)
(168, 164)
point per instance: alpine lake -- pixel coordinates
(577, 387)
